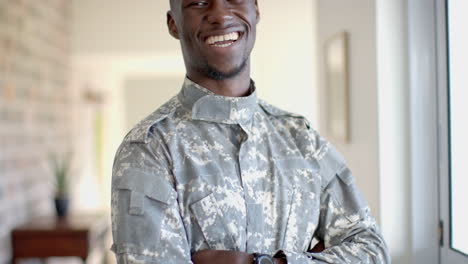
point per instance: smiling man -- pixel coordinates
(218, 176)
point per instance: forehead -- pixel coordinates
(174, 3)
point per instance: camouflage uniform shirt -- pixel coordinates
(211, 172)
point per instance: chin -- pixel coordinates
(228, 70)
(218, 74)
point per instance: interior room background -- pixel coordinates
(76, 75)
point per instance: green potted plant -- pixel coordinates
(61, 171)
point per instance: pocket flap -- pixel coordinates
(291, 163)
(152, 186)
(346, 176)
(331, 164)
(212, 223)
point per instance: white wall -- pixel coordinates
(142, 95)
(394, 125)
(121, 27)
(357, 17)
(115, 42)
(284, 59)
(423, 64)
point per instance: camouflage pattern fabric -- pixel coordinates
(234, 173)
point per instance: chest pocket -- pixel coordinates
(304, 208)
(212, 223)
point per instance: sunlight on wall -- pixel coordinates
(113, 73)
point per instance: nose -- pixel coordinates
(219, 13)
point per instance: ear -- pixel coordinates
(171, 25)
(257, 10)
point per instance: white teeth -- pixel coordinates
(223, 45)
(214, 39)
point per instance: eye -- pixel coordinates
(198, 4)
(236, 1)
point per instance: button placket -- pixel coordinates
(243, 169)
(255, 215)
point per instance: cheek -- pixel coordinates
(189, 32)
(250, 17)
(188, 42)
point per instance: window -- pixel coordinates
(457, 11)
(453, 112)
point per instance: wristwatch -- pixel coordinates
(262, 259)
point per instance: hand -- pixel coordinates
(319, 247)
(225, 257)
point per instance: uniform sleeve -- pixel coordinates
(346, 226)
(146, 223)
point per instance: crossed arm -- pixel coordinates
(225, 257)
(235, 257)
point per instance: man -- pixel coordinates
(217, 176)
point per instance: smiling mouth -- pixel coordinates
(223, 41)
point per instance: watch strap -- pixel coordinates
(259, 258)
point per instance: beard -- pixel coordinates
(218, 75)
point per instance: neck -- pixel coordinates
(236, 86)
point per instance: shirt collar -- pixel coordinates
(207, 106)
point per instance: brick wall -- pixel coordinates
(35, 109)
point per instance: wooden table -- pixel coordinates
(73, 236)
